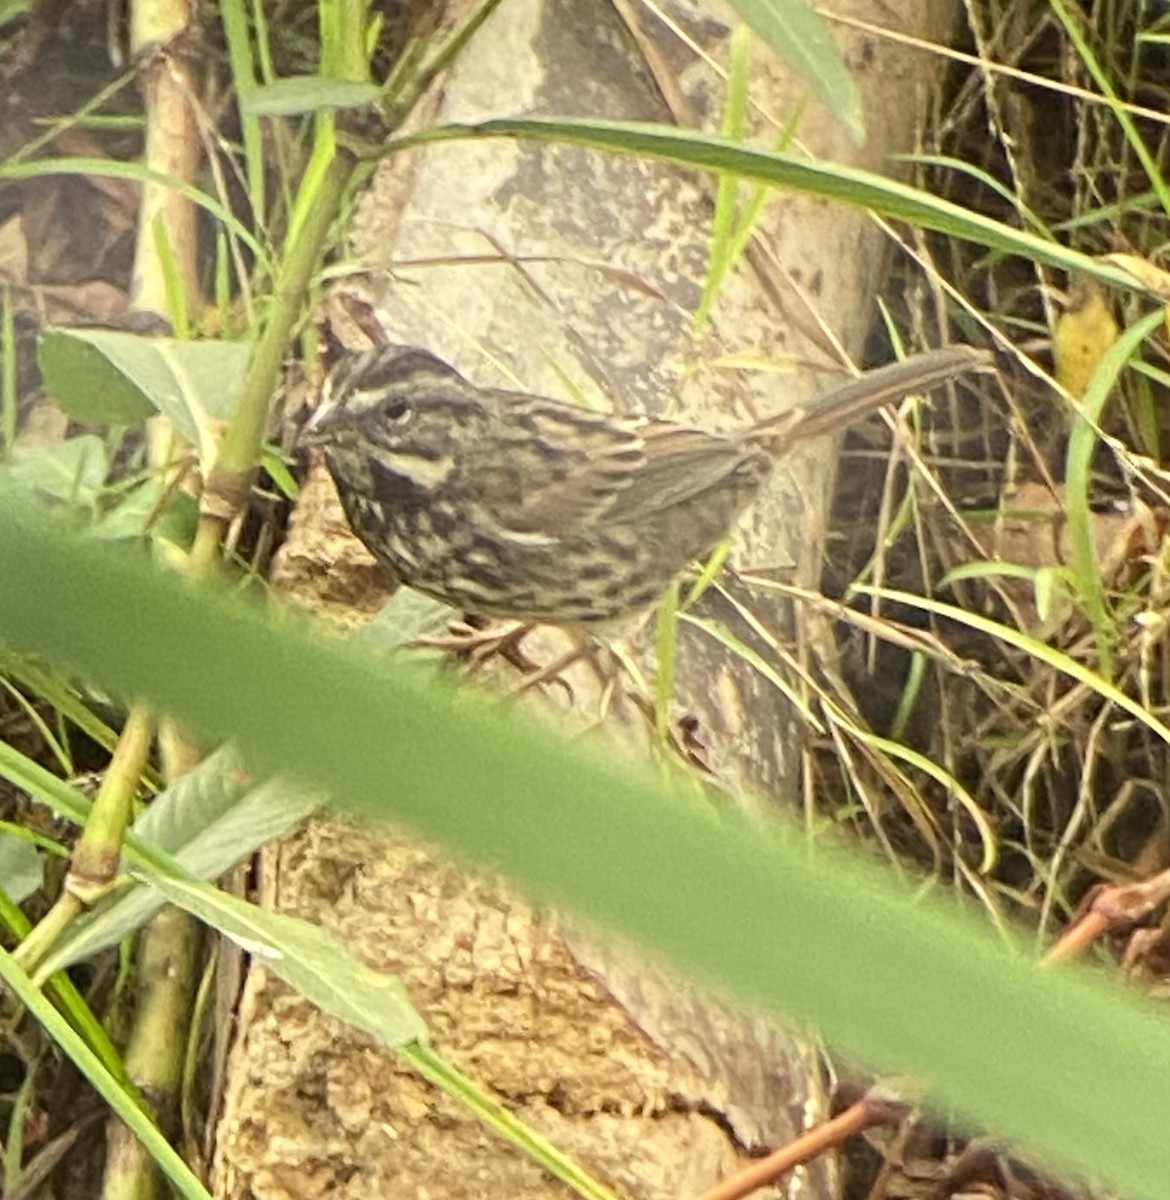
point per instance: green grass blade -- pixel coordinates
(1086, 569)
(850, 185)
(169, 1161)
(798, 33)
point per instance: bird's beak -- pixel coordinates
(329, 413)
(318, 427)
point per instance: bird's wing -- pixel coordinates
(553, 469)
(682, 463)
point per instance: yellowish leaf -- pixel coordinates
(1084, 333)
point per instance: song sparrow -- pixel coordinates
(510, 505)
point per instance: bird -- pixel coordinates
(512, 506)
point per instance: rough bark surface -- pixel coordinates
(518, 262)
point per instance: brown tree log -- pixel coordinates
(551, 259)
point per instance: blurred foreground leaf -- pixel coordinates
(1072, 1067)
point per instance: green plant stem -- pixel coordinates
(23, 1106)
(329, 174)
(343, 51)
(493, 1114)
(234, 17)
(408, 81)
(228, 487)
(54, 129)
(65, 997)
(98, 853)
(166, 978)
(49, 928)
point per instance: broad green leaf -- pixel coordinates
(136, 515)
(107, 377)
(307, 958)
(406, 616)
(195, 800)
(210, 821)
(21, 868)
(80, 377)
(71, 472)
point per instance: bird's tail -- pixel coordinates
(837, 407)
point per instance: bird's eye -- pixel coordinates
(396, 410)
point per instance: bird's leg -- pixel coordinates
(607, 660)
(551, 672)
(480, 642)
(508, 645)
